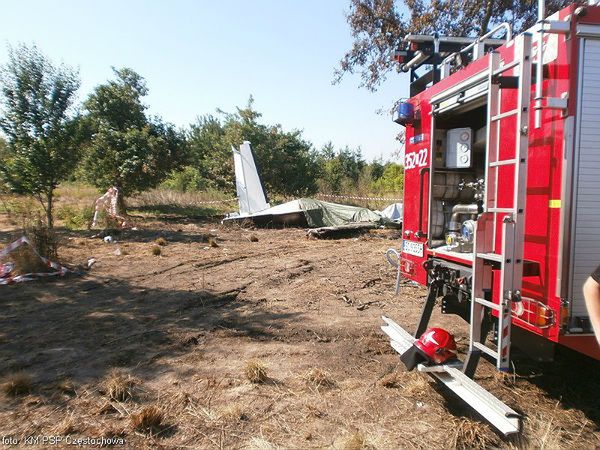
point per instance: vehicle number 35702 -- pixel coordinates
(416, 159)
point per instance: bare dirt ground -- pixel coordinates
(178, 330)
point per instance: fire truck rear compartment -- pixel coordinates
(457, 179)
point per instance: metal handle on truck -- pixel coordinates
(420, 232)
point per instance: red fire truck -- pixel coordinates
(502, 184)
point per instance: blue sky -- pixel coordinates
(201, 55)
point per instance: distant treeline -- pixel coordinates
(109, 139)
(289, 164)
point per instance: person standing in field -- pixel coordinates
(591, 292)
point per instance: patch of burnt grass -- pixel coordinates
(18, 383)
(149, 420)
(119, 386)
(318, 378)
(255, 371)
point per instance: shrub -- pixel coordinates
(185, 180)
(75, 218)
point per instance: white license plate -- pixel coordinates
(412, 248)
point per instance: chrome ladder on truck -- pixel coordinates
(510, 260)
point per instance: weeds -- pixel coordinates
(233, 413)
(119, 387)
(149, 420)
(318, 378)
(75, 218)
(256, 372)
(16, 384)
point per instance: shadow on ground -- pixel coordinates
(81, 328)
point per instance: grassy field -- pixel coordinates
(190, 334)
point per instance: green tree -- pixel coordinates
(210, 153)
(127, 149)
(286, 162)
(391, 181)
(40, 124)
(378, 27)
(377, 167)
(340, 170)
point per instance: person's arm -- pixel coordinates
(591, 292)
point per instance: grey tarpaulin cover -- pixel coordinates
(325, 214)
(393, 212)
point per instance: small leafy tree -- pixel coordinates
(39, 122)
(127, 149)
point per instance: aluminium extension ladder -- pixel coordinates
(510, 260)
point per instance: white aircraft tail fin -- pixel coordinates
(251, 196)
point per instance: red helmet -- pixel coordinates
(437, 344)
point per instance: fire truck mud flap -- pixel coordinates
(497, 413)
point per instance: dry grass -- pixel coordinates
(542, 432)
(258, 443)
(253, 238)
(149, 420)
(255, 371)
(212, 241)
(470, 435)
(156, 250)
(318, 378)
(119, 387)
(233, 413)
(414, 384)
(390, 380)
(26, 261)
(65, 427)
(45, 241)
(189, 199)
(355, 441)
(66, 387)
(160, 241)
(18, 383)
